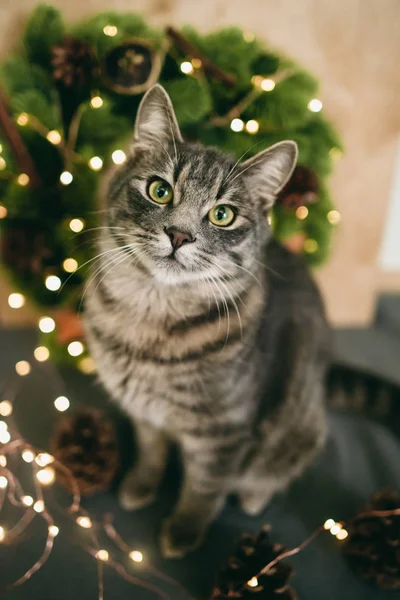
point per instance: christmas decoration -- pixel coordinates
(373, 544)
(73, 63)
(301, 189)
(85, 443)
(240, 576)
(131, 68)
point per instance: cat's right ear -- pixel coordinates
(156, 119)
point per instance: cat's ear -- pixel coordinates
(269, 170)
(156, 119)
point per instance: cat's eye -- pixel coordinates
(222, 215)
(160, 191)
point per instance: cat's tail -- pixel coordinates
(362, 392)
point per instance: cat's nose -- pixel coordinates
(178, 238)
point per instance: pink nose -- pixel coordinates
(178, 238)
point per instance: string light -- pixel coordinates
(252, 126)
(3, 426)
(96, 102)
(3, 482)
(102, 555)
(54, 137)
(110, 30)
(38, 506)
(87, 366)
(75, 348)
(6, 408)
(76, 225)
(3, 460)
(3, 210)
(335, 528)
(43, 459)
(248, 36)
(1, 148)
(23, 119)
(197, 63)
(27, 500)
(302, 212)
(66, 177)
(310, 246)
(342, 534)
(28, 456)
(23, 368)
(23, 179)
(335, 153)
(237, 125)
(46, 476)
(136, 556)
(53, 283)
(267, 85)
(41, 353)
(5, 437)
(253, 582)
(3, 164)
(118, 157)
(47, 324)
(95, 163)
(2, 533)
(84, 522)
(70, 265)
(16, 300)
(334, 217)
(62, 403)
(53, 530)
(315, 105)
(187, 67)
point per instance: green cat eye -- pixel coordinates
(160, 191)
(222, 215)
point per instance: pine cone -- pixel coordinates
(252, 554)
(301, 189)
(85, 443)
(373, 545)
(74, 63)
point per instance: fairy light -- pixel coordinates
(87, 365)
(253, 582)
(197, 63)
(3, 164)
(315, 105)
(335, 528)
(96, 102)
(23, 119)
(310, 246)
(334, 217)
(53, 283)
(28, 456)
(5, 437)
(3, 210)
(54, 137)
(46, 476)
(252, 126)
(6, 408)
(41, 353)
(237, 125)
(1, 148)
(267, 85)
(302, 212)
(16, 300)
(95, 163)
(2, 534)
(3, 482)
(27, 500)
(248, 36)
(70, 265)
(54, 530)
(47, 324)
(84, 522)
(329, 523)
(23, 368)
(23, 179)
(342, 534)
(187, 67)
(110, 30)
(3, 460)
(43, 459)
(335, 153)
(76, 225)
(66, 177)
(102, 555)
(118, 157)
(62, 403)
(75, 348)
(38, 506)
(3, 426)
(136, 556)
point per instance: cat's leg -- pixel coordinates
(140, 485)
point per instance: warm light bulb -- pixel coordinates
(23, 179)
(6, 408)
(3, 164)
(118, 157)
(136, 556)
(54, 137)
(329, 523)
(334, 217)
(87, 365)
(62, 403)
(248, 36)
(38, 506)
(53, 283)
(46, 476)
(95, 163)
(342, 534)
(23, 368)
(16, 300)
(102, 555)
(3, 460)
(253, 582)
(187, 67)
(66, 177)
(335, 528)
(53, 530)
(96, 102)
(3, 426)
(110, 30)
(41, 353)
(75, 348)
(237, 125)
(197, 63)
(5, 437)
(43, 459)
(27, 500)
(310, 246)
(3, 210)
(47, 325)
(84, 522)
(23, 119)
(3, 482)
(252, 126)
(267, 85)
(28, 456)
(302, 212)
(76, 225)
(2, 533)
(315, 105)
(70, 265)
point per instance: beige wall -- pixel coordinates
(353, 46)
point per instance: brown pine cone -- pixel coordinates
(237, 578)
(85, 443)
(301, 189)
(74, 63)
(373, 545)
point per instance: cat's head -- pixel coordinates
(186, 212)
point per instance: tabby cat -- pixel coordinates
(205, 331)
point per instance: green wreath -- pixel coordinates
(67, 111)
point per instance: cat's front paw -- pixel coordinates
(136, 493)
(181, 535)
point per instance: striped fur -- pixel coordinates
(221, 346)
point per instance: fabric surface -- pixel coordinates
(360, 458)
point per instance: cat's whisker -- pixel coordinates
(227, 177)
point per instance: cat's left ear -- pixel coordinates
(156, 119)
(269, 170)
